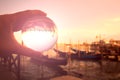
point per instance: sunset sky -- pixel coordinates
(77, 20)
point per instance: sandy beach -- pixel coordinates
(66, 78)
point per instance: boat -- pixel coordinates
(51, 63)
(80, 55)
(87, 55)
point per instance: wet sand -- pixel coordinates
(66, 78)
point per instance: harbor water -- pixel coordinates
(85, 70)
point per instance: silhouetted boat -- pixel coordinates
(52, 61)
(65, 54)
(89, 55)
(53, 64)
(80, 55)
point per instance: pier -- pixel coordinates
(10, 66)
(5, 74)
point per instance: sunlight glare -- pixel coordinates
(39, 40)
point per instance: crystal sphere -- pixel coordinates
(39, 33)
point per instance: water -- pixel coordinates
(86, 70)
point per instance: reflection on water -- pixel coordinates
(89, 70)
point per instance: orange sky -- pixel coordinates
(75, 19)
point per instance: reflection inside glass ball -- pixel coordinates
(39, 34)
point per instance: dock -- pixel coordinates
(5, 74)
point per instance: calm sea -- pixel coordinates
(86, 70)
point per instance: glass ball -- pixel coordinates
(39, 33)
